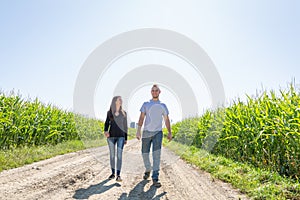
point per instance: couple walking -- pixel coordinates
(115, 129)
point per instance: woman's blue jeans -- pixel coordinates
(154, 138)
(114, 142)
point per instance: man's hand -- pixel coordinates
(125, 142)
(168, 125)
(106, 134)
(138, 134)
(169, 136)
(140, 124)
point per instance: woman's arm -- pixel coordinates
(106, 125)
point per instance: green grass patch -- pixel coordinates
(255, 182)
(17, 157)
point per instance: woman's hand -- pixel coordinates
(106, 134)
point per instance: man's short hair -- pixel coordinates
(155, 85)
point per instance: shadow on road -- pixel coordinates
(99, 188)
(138, 192)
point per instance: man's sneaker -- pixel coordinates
(156, 183)
(146, 175)
(118, 179)
(112, 176)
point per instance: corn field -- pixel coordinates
(33, 123)
(263, 131)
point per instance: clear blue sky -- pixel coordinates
(43, 44)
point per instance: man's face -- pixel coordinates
(155, 92)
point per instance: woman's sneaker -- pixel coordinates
(118, 179)
(112, 176)
(146, 175)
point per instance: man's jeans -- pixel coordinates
(112, 143)
(156, 139)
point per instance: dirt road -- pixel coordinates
(83, 175)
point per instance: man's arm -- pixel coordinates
(167, 122)
(140, 124)
(125, 125)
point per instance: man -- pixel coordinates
(155, 112)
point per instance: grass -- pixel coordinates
(18, 157)
(254, 182)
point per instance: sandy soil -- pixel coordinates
(83, 175)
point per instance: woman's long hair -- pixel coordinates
(113, 108)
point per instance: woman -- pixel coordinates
(115, 129)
